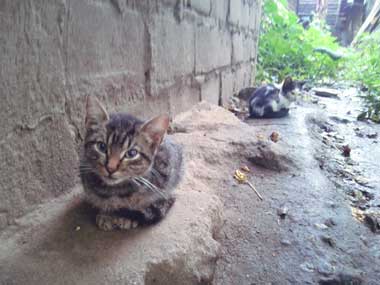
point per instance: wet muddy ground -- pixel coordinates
(317, 222)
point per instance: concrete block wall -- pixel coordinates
(140, 56)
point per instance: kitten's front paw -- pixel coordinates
(104, 222)
(108, 223)
(125, 224)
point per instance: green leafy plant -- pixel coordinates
(286, 48)
(363, 67)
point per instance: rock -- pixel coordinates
(325, 268)
(282, 212)
(221, 126)
(342, 279)
(372, 219)
(329, 241)
(326, 92)
(270, 157)
(307, 267)
(346, 151)
(179, 250)
(285, 242)
(330, 222)
(362, 181)
(340, 120)
(321, 226)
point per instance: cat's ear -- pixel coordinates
(155, 129)
(95, 112)
(288, 85)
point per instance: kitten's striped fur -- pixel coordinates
(128, 168)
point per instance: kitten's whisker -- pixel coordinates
(150, 186)
(137, 182)
(155, 173)
(148, 182)
(154, 187)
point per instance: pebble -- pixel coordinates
(325, 268)
(282, 212)
(307, 267)
(330, 222)
(321, 226)
(285, 242)
(328, 240)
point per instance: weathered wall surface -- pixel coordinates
(141, 56)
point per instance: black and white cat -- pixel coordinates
(272, 100)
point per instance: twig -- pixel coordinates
(254, 189)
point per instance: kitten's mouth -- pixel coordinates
(111, 180)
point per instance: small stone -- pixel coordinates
(373, 221)
(245, 168)
(342, 279)
(362, 180)
(77, 228)
(330, 222)
(372, 135)
(329, 240)
(282, 212)
(307, 267)
(326, 92)
(325, 268)
(321, 226)
(285, 242)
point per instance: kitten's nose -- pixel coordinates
(112, 166)
(111, 169)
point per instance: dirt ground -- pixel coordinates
(311, 226)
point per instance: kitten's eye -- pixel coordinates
(131, 153)
(102, 147)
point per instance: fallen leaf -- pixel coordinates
(275, 136)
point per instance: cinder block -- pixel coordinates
(219, 9)
(255, 16)
(243, 48)
(237, 48)
(201, 6)
(235, 12)
(227, 86)
(245, 14)
(172, 46)
(182, 96)
(210, 89)
(243, 76)
(213, 49)
(101, 41)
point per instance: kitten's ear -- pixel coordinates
(155, 129)
(95, 112)
(288, 85)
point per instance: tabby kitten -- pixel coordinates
(272, 101)
(128, 169)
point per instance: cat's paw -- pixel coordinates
(104, 222)
(125, 224)
(108, 223)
